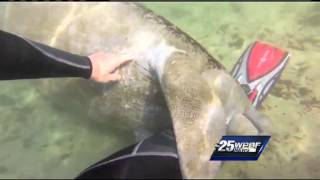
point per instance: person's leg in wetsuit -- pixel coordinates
(153, 157)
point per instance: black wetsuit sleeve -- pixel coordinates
(21, 58)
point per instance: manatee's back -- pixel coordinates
(83, 28)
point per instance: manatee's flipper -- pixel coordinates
(241, 125)
(197, 114)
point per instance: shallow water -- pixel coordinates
(42, 138)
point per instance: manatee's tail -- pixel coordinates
(258, 69)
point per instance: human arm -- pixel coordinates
(21, 58)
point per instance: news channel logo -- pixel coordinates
(235, 148)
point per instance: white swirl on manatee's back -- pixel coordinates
(150, 50)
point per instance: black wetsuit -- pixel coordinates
(154, 157)
(21, 58)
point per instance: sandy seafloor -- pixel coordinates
(41, 138)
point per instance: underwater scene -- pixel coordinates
(47, 133)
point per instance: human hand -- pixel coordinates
(105, 66)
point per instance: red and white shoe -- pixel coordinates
(258, 69)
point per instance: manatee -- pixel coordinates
(172, 81)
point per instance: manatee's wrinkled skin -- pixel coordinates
(171, 75)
